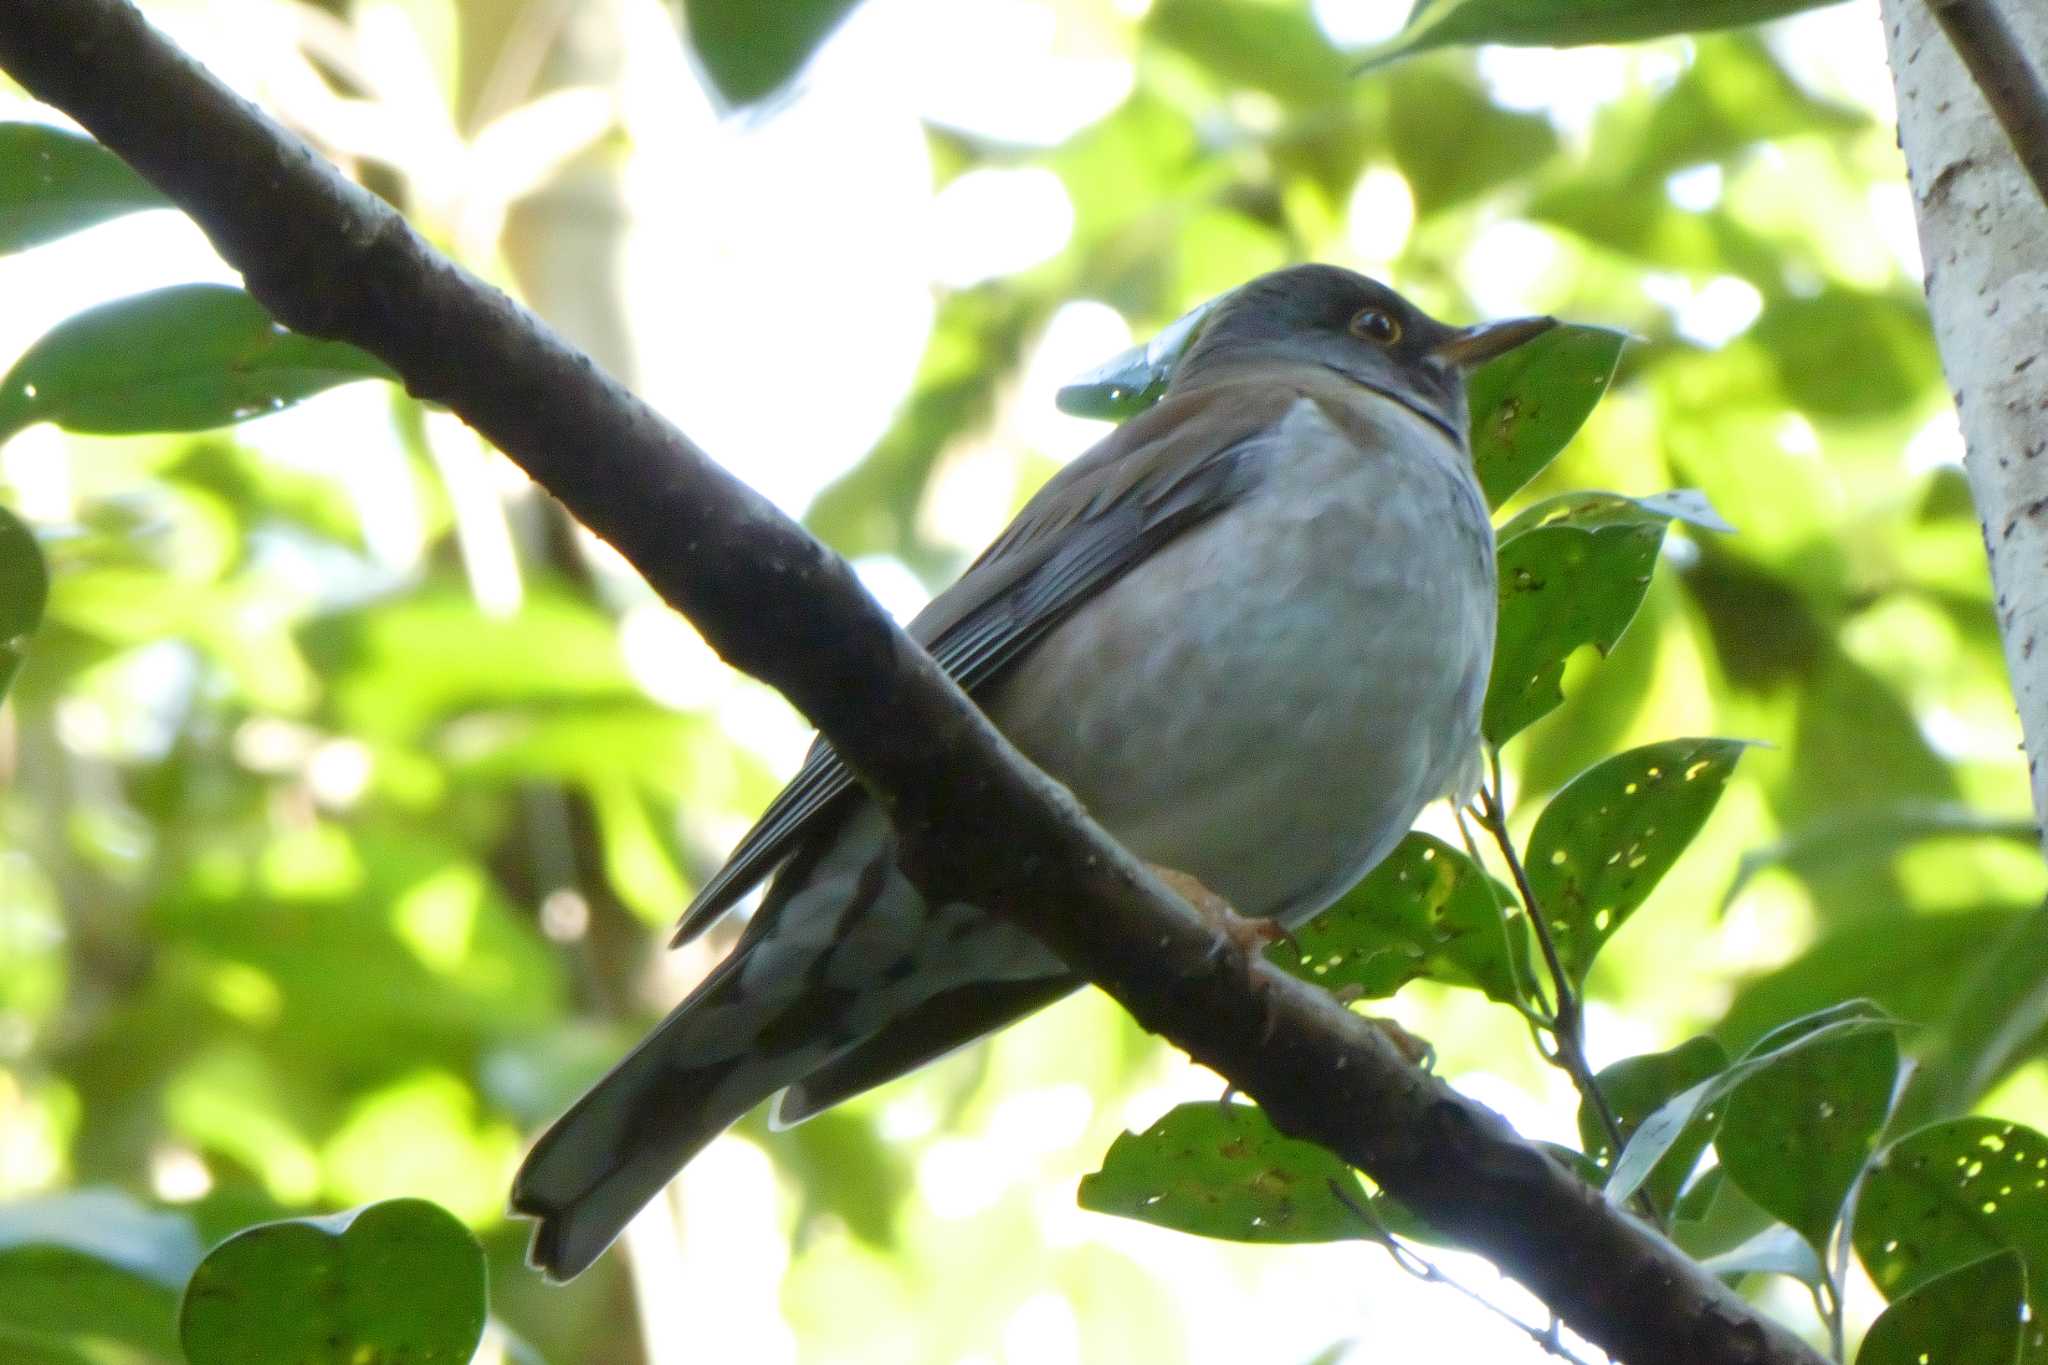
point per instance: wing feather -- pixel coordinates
(1136, 490)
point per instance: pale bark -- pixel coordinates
(1984, 235)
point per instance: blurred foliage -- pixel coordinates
(347, 788)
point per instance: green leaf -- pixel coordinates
(1998, 1021)
(1715, 1218)
(1573, 572)
(54, 182)
(1637, 1087)
(1277, 48)
(93, 1264)
(1424, 911)
(1950, 1194)
(1528, 404)
(1452, 143)
(1133, 380)
(1674, 1120)
(1567, 23)
(1219, 1169)
(186, 358)
(1969, 1316)
(1797, 1134)
(1607, 839)
(1850, 353)
(396, 1281)
(1777, 1250)
(1912, 965)
(750, 50)
(24, 591)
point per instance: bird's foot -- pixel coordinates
(1417, 1050)
(1247, 935)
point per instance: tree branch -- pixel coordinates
(975, 819)
(1984, 237)
(2011, 85)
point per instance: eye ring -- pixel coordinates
(1376, 324)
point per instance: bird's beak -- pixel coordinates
(1474, 346)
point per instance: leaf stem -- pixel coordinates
(1549, 1338)
(1568, 1019)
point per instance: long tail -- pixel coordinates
(700, 1070)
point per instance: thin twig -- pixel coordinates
(1535, 1008)
(2011, 85)
(1568, 1019)
(1549, 1338)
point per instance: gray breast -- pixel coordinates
(1269, 701)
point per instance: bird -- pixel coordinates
(1251, 631)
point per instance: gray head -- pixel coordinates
(1356, 327)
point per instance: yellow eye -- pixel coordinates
(1376, 324)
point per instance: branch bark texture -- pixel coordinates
(975, 819)
(1984, 236)
(2012, 87)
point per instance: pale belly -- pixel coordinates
(1268, 702)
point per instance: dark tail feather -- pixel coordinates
(691, 1079)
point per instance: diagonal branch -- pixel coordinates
(975, 819)
(2012, 86)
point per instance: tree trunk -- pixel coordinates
(1984, 236)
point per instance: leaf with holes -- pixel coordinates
(24, 592)
(1425, 911)
(1796, 1135)
(1675, 1119)
(186, 358)
(1950, 1194)
(1566, 23)
(1219, 1169)
(1573, 572)
(398, 1281)
(1969, 1316)
(1636, 1087)
(1528, 404)
(54, 182)
(1604, 842)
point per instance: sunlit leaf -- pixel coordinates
(1635, 1088)
(1969, 1316)
(1797, 1134)
(1527, 405)
(1604, 842)
(1573, 571)
(1670, 1124)
(1452, 143)
(750, 50)
(54, 182)
(1566, 23)
(1275, 48)
(1950, 1194)
(397, 1281)
(1913, 965)
(24, 591)
(1424, 911)
(1219, 1169)
(186, 358)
